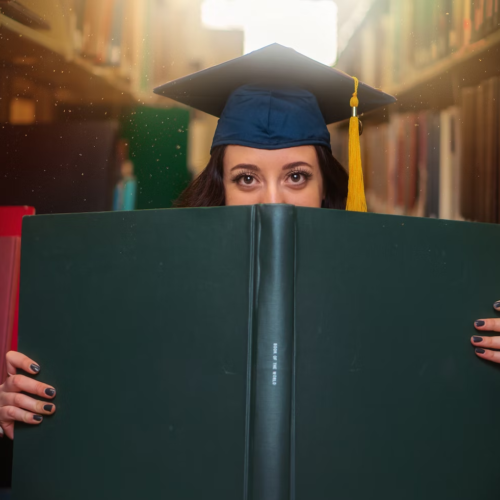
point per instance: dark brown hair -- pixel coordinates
(207, 190)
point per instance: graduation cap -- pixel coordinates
(276, 98)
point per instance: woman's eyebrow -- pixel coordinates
(246, 166)
(295, 164)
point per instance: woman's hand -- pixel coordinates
(484, 344)
(16, 406)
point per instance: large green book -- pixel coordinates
(259, 353)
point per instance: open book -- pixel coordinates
(259, 353)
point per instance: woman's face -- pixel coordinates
(290, 175)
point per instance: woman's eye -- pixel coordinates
(299, 177)
(247, 179)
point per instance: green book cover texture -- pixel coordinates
(259, 353)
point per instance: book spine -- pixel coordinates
(480, 156)
(467, 22)
(272, 353)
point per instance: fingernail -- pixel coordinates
(479, 323)
(38, 418)
(48, 407)
(479, 350)
(50, 392)
(477, 339)
(35, 368)
(496, 305)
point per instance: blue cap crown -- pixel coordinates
(271, 117)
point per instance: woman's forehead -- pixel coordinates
(243, 154)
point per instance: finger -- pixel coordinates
(491, 325)
(8, 428)
(26, 403)
(496, 305)
(489, 355)
(10, 413)
(486, 342)
(20, 383)
(17, 360)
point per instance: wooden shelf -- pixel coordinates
(50, 60)
(439, 84)
(14, 30)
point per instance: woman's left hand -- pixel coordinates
(484, 344)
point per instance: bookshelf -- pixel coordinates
(435, 151)
(101, 59)
(14, 33)
(48, 58)
(156, 41)
(434, 84)
(468, 66)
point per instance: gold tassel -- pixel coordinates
(356, 200)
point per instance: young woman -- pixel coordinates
(271, 146)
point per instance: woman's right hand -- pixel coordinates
(17, 406)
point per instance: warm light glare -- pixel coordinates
(308, 26)
(224, 14)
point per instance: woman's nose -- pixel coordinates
(272, 195)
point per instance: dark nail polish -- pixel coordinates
(50, 392)
(35, 368)
(479, 350)
(480, 323)
(496, 305)
(48, 407)
(477, 339)
(38, 418)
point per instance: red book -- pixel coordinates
(10, 247)
(11, 219)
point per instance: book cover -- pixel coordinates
(9, 274)
(266, 353)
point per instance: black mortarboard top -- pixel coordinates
(276, 98)
(208, 90)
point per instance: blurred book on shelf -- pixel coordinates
(10, 253)
(480, 152)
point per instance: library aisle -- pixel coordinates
(435, 153)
